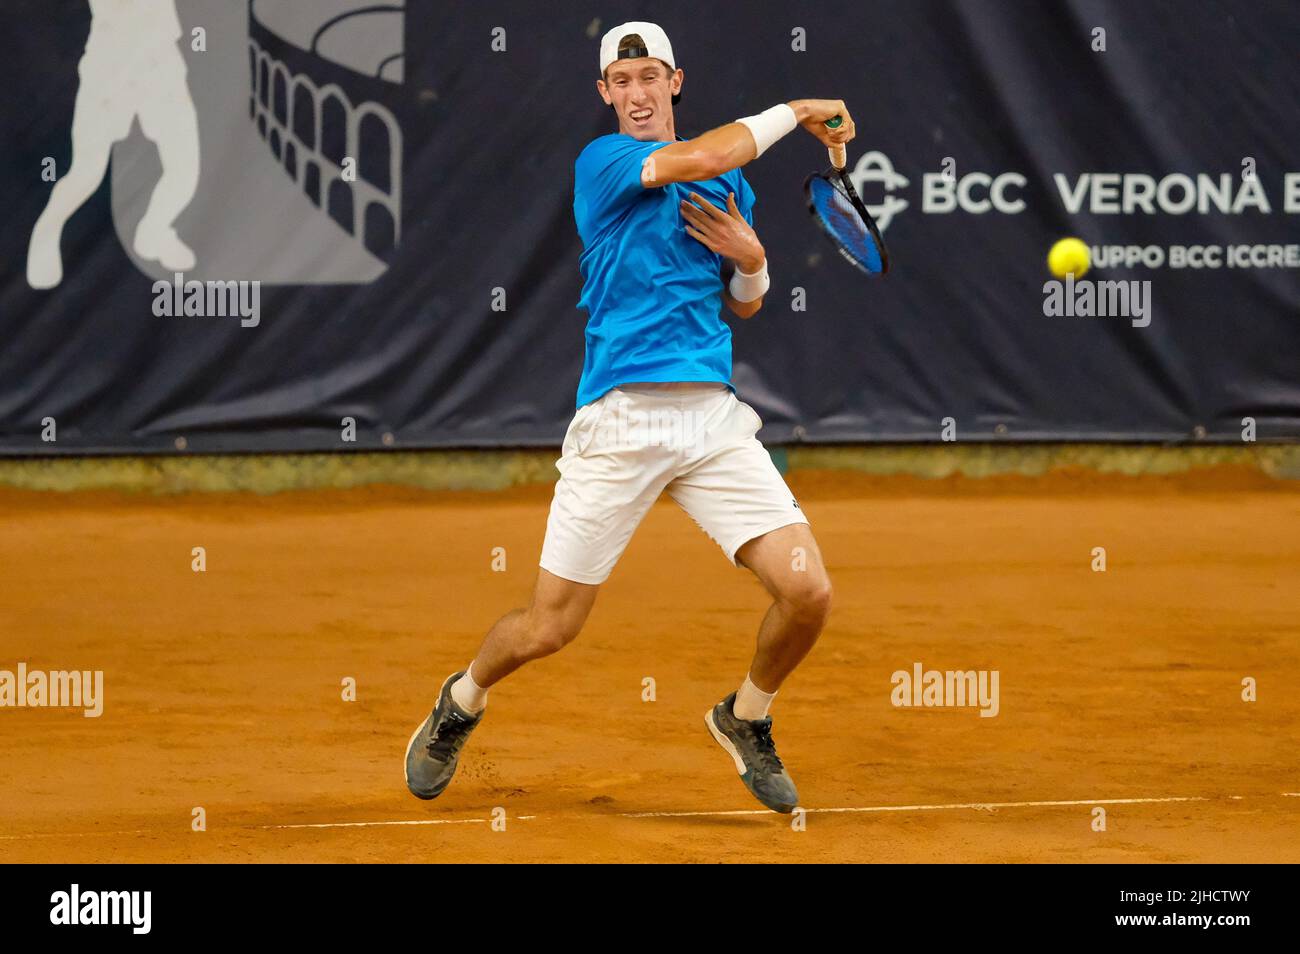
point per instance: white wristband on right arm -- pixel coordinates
(745, 288)
(770, 125)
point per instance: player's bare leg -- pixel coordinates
(790, 566)
(551, 621)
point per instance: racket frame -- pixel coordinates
(840, 178)
(839, 170)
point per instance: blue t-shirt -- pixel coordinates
(653, 294)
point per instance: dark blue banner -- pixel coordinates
(278, 225)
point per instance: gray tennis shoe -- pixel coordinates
(750, 746)
(434, 749)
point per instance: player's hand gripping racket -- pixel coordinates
(835, 205)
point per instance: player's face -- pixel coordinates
(641, 92)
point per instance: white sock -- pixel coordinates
(467, 693)
(751, 702)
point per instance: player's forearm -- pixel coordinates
(742, 309)
(767, 127)
(744, 294)
(707, 156)
(749, 137)
(737, 144)
(722, 149)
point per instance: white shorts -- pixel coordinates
(624, 449)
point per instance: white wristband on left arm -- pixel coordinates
(746, 288)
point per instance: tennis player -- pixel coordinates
(660, 218)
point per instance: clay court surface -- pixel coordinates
(223, 689)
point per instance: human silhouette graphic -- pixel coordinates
(132, 69)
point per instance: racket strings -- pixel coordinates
(843, 223)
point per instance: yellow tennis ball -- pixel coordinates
(1069, 255)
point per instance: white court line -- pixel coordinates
(954, 806)
(980, 806)
(983, 806)
(376, 824)
(81, 834)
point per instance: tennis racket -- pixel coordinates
(835, 206)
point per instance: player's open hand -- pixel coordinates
(726, 233)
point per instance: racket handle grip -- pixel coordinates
(839, 157)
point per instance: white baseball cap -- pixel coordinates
(652, 35)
